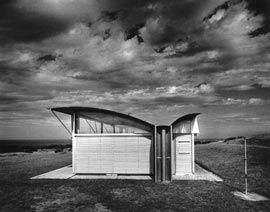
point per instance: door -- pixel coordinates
(183, 154)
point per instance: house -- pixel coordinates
(107, 142)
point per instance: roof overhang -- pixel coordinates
(190, 116)
(116, 118)
(106, 116)
(187, 123)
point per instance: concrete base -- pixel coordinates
(200, 174)
(62, 173)
(66, 173)
(250, 196)
(121, 177)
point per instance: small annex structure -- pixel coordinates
(105, 142)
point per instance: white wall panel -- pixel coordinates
(105, 154)
(113, 154)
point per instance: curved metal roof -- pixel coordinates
(112, 117)
(185, 117)
(106, 116)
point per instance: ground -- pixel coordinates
(19, 193)
(227, 160)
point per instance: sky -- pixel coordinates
(156, 60)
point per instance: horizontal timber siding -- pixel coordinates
(183, 154)
(130, 154)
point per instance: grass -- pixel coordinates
(7, 146)
(18, 193)
(227, 160)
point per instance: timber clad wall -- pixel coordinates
(117, 154)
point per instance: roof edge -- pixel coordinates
(186, 117)
(71, 110)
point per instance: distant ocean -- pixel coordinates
(32, 145)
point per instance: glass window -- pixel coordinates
(183, 127)
(97, 124)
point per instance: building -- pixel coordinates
(108, 142)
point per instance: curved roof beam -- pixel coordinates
(186, 124)
(107, 116)
(190, 116)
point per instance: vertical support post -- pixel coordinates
(172, 153)
(155, 153)
(73, 142)
(72, 125)
(246, 180)
(192, 154)
(101, 127)
(77, 123)
(163, 134)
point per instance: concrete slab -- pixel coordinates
(200, 174)
(122, 177)
(62, 173)
(66, 173)
(250, 196)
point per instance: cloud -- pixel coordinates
(262, 8)
(135, 56)
(256, 101)
(231, 101)
(20, 25)
(205, 88)
(240, 87)
(244, 102)
(47, 57)
(33, 21)
(264, 81)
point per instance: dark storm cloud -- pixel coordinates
(19, 25)
(47, 57)
(175, 100)
(107, 34)
(111, 79)
(110, 15)
(255, 90)
(162, 102)
(134, 56)
(165, 21)
(261, 7)
(14, 75)
(118, 79)
(134, 31)
(176, 20)
(224, 6)
(26, 97)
